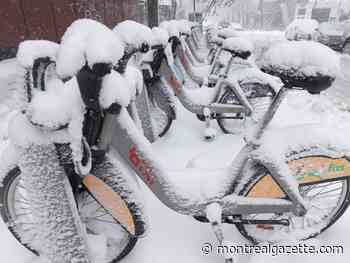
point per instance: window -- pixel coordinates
(301, 11)
(321, 14)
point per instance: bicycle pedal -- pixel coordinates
(209, 138)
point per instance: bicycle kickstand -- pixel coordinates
(214, 215)
(210, 132)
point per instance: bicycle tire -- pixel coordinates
(259, 173)
(229, 95)
(6, 184)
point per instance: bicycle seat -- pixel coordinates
(238, 47)
(227, 33)
(302, 64)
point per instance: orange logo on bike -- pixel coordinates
(174, 83)
(141, 165)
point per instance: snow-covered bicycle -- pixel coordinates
(193, 63)
(237, 93)
(297, 187)
(44, 202)
(151, 107)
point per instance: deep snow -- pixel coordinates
(176, 238)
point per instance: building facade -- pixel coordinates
(48, 19)
(321, 10)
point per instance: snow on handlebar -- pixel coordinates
(87, 42)
(30, 50)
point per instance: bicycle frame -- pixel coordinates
(169, 77)
(192, 47)
(153, 92)
(136, 150)
(184, 63)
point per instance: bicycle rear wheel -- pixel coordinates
(14, 207)
(326, 201)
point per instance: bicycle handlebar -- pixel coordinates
(157, 47)
(122, 63)
(184, 34)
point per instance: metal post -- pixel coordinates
(194, 6)
(262, 12)
(152, 7)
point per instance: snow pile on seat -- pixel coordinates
(331, 29)
(133, 33)
(301, 28)
(160, 36)
(57, 105)
(87, 40)
(238, 44)
(316, 135)
(262, 40)
(303, 58)
(30, 50)
(227, 33)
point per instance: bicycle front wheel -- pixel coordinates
(259, 96)
(160, 119)
(14, 208)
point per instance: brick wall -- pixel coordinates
(48, 19)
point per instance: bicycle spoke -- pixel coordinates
(101, 215)
(322, 192)
(22, 214)
(322, 201)
(317, 186)
(325, 196)
(322, 208)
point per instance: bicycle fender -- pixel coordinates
(305, 161)
(164, 98)
(282, 183)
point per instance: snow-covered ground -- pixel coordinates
(175, 238)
